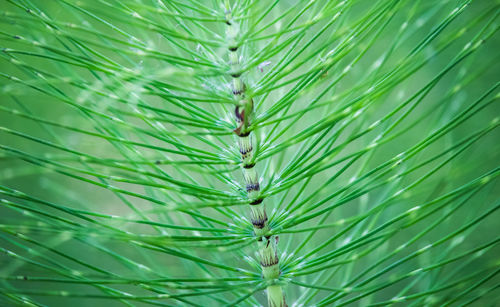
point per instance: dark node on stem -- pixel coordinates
(28, 11)
(253, 187)
(238, 92)
(236, 75)
(17, 37)
(237, 131)
(257, 201)
(267, 238)
(244, 152)
(248, 166)
(239, 115)
(233, 49)
(25, 277)
(157, 162)
(267, 262)
(260, 223)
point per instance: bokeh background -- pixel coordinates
(145, 74)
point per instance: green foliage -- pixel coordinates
(375, 128)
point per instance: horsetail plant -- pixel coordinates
(152, 152)
(244, 109)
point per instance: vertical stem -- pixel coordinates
(267, 244)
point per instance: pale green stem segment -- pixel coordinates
(268, 251)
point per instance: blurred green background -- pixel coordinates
(66, 61)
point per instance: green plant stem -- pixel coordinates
(244, 110)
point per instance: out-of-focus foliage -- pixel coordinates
(378, 152)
